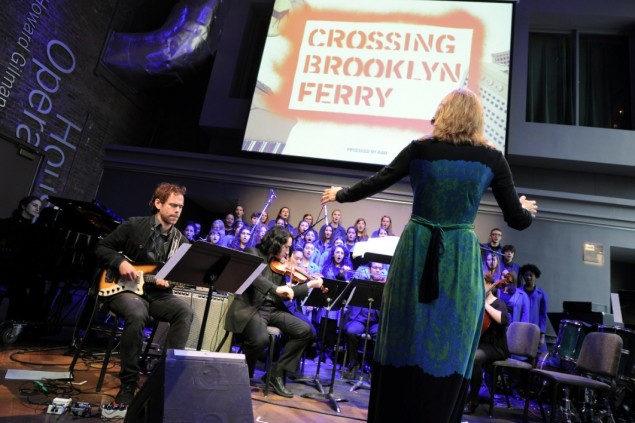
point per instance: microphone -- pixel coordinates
(489, 250)
(326, 215)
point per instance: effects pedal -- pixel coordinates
(80, 409)
(59, 406)
(113, 411)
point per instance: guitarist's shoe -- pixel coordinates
(126, 394)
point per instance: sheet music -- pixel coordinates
(176, 257)
(384, 246)
(617, 309)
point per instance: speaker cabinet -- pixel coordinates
(215, 326)
(195, 386)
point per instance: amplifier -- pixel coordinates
(215, 326)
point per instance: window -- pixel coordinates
(600, 64)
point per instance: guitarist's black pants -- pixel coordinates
(136, 311)
(298, 333)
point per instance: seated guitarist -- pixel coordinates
(143, 240)
(493, 343)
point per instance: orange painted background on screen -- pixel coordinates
(293, 30)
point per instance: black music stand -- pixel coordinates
(366, 294)
(214, 267)
(337, 304)
(320, 299)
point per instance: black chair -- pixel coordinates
(274, 338)
(596, 370)
(111, 326)
(273, 351)
(522, 341)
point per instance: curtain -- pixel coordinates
(604, 82)
(550, 77)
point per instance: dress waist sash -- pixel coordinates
(429, 282)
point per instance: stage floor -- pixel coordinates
(23, 401)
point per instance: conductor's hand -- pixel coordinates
(284, 292)
(530, 205)
(329, 195)
(127, 271)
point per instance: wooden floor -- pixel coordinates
(24, 401)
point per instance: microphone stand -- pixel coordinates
(272, 196)
(489, 250)
(361, 383)
(340, 302)
(315, 381)
(367, 294)
(311, 226)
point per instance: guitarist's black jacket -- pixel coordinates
(134, 239)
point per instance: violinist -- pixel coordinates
(262, 305)
(295, 274)
(493, 343)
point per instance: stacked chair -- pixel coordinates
(595, 372)
(522, 341)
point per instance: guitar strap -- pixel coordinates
(177, 240)
(165, 247)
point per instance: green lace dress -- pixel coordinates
(433, 302)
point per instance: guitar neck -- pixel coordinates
(152, 279)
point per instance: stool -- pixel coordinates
(112, 332)
(274, 336)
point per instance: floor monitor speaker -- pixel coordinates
(195, 386)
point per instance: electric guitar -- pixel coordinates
(110, 284)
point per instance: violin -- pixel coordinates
(298, 274)
(487, 319)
